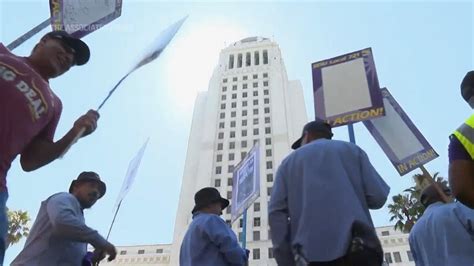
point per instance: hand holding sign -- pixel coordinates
(86, 123)
(77, 18)
(151, 54)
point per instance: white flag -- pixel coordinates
(159, 44)
(131, 173)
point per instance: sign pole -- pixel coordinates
(244, 230)
(350, 127)
(113, 220)
(430, 179)
(23, 38)
(110, 229)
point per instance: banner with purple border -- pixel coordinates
(245, 183)
(346, 89)
(399, 138)
(80, 18)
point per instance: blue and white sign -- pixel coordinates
(246, 183)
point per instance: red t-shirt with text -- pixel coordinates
(28, 108)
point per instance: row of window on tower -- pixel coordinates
(245, 86)
(160, 260)
(245, 77)
(232, 156)
(217, 184)
(142, 251)
(237, 61)
(397, 257)
(233, 114)
(232, 134)
(230, 168)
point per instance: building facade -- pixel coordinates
(141, 255)
(249, 99)
(395, 246)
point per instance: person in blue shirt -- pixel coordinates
(444, 235)
(321, 191)
(60, 235)
(209, 240)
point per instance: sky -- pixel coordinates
(421, 49)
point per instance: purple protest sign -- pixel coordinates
(80, 18)
(399, 138)
(346, 89)
(245, 183)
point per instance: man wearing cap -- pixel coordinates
(461, 150)
(30, 110)
(209, 240)
(59, 235)
(321, 191)
(444, 235)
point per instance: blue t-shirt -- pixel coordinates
(444, 236)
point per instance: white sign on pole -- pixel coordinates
(159, 44)
(399, 138)
(131, 173)
(151, 54)
(246, 182)
(346, 89)
(80, 18)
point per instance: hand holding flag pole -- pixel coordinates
(154, 52)
(127, 184)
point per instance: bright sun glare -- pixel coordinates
(194, 56)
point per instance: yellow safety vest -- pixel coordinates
(465, 135)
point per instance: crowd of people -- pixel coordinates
(319, 207)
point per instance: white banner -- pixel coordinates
(159, 44)
(131, 173)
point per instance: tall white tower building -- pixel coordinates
(249, 99)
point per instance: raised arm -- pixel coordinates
(43, 150)
(68, 223)
(375, 189)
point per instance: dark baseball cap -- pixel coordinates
(313, 126)
(80, 48)
(89, 177)
(467, 86)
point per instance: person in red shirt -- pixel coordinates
(30, 110)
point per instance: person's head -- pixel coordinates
(209, 200)
(312, 131)
(430, 195)
(467, 88)
(87, 188)
(57, 52)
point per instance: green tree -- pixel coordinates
(17, 226)
(406, 207)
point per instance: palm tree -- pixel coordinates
(17, 226)
(406, 208)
